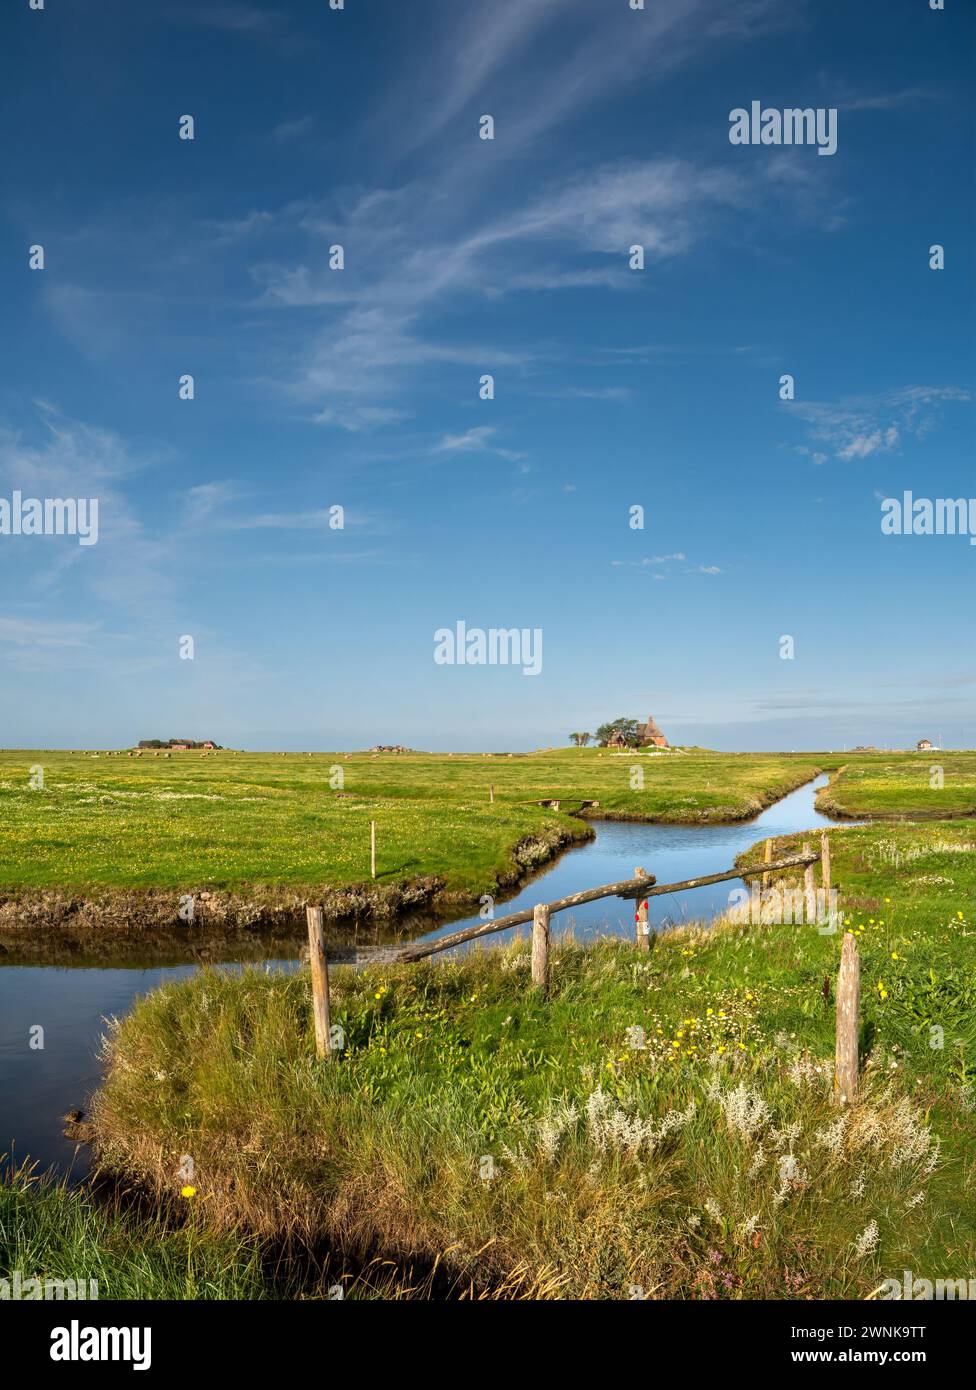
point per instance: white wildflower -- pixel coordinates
(554, 1124)
(758, 1160)
(832, 1137)
(746, 1228)
(745, 1110)
(867, 1241)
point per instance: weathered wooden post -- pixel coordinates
(491, 793)
(809, 889)
(372, 848)
(767, 859)
(848, 1021)
(640, 919)
(825, 863)
(540, 946)
(320, 982)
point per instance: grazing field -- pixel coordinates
(917, 786)
(236, 821)
(544, 1144)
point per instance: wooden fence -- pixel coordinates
(639, 889)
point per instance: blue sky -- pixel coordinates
(360, 387)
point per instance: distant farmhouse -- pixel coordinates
(645, 736)
(175, 745)
(651, 734)
(924, 745)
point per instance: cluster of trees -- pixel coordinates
(629, 729)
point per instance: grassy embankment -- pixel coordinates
(107, 847)
(522, 1140)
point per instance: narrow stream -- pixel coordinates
(39, 1084)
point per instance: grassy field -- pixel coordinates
(544, 1145)
(235, 821)
(916, 785)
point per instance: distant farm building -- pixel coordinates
(924, 745)
(637, 735)
(649, 733)
(175, 745)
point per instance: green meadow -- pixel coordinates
(229, 821)
(661, 1121)
(658, 1125)
(94, 823)
(923, 785)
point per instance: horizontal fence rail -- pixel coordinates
(626, 888)
(639, 888)
(645, 886)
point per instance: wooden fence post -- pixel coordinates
(825, 863)
(372, 848)
(767, 859)
(491, 793)
(848, 1021)
(809, 889)
(320, 982)
(641, 923)
(540, 946)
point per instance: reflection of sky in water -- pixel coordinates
(672, 853)
(37, 1087)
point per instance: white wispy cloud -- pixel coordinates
(228, 231)
(847, 97)
(353, 370)
(42, 632)
(476, 440)
(860, 426)
(129, 567)
(657, 562)
(292, 130)
(205, 499)
(594, 393)
(236, 19)
(536, 65)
